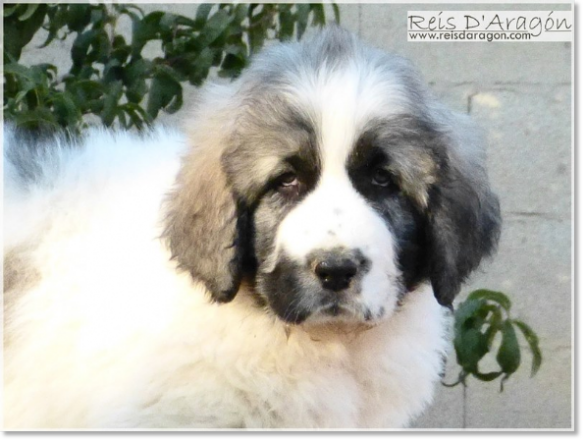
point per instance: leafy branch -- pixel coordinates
(112, 78)
(479, 319)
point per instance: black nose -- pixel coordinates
(336, 272)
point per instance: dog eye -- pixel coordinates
(290, 186)
(382, 177)
(288, 179)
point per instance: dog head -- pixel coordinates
(329, 177)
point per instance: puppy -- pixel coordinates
(288, 262)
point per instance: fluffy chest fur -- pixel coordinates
(262, 374)
(201, 365)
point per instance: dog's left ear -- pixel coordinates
(463, 213)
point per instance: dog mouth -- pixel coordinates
(340, 310)
(327, 309)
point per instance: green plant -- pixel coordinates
(482, 317)
(112, 78)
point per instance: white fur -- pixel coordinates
(113, 336)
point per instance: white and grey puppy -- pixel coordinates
(326, 203)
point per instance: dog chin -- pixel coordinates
(334, 308)
(352, 314)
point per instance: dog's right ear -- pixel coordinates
(204, 227)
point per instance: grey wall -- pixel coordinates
(521, 93)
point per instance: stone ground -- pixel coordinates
(521, 94)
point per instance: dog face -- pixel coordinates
(330, 179)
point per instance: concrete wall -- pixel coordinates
(521, 93)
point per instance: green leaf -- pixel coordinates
(287, 23)
(65, 109)
(24, 73)
(85, 92)
(113, 70)
(57, 20)
(201, 15)
(490, 295)
(470, 341)
(85, 72)
(181, 20)
(120, 50)
(168, 21)
(136, 115)
(240, 13)
(163, 90)
(20, 96)
(135, 77)
(140, 68)
(29, 11)
(508, 355)
(303, 11)
(18, 33)
(491, 314)
(136, 91)
(144, 30)
(99, 17)
(81, 45)
(111, 102)
(487, 377)
(94, 107)
(532, 340)
(318, 10)
(214, 27)
(470, 347)
(78, 16)
(121, 116)
(126, 9)
(466, 310)
(8, 10)
(234, 62)
(258, 26)
(201, 66)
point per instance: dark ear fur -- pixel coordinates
(464, 216)
(205, 227)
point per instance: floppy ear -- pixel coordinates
(205, 227)
(463, 214)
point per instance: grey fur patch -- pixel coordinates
(20, 275)
(32, 158)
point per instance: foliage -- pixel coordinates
(112, 78)
(479, 320)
